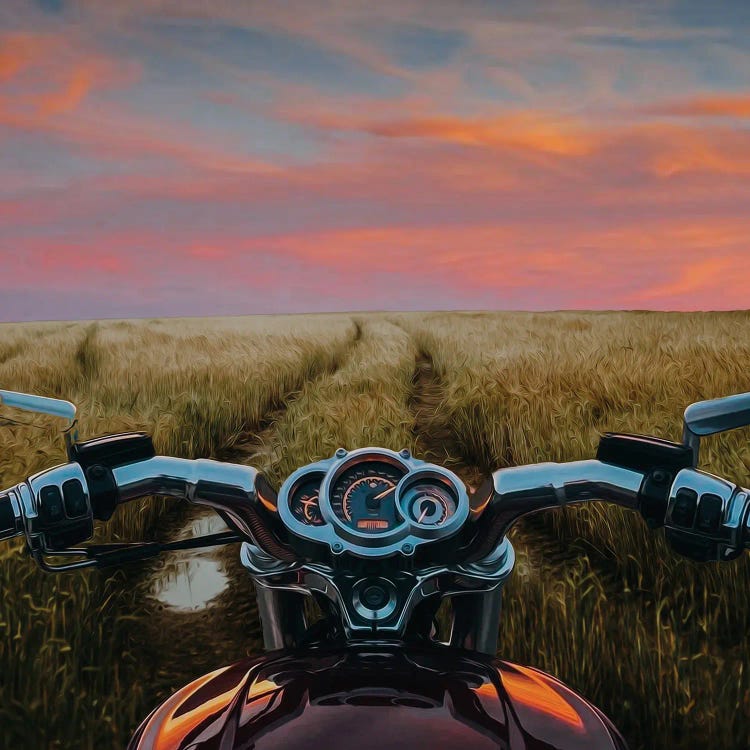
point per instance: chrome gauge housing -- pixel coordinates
(421, 502)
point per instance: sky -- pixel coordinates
(183, 157)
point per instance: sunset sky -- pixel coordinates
(200, 158)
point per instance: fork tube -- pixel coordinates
(476, 620)
(282, 617)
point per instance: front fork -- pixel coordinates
(474, 625)
(475, 591)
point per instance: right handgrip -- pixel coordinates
(707, 517)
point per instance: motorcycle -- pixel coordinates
(379, 539)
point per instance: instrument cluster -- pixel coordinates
(373, 502)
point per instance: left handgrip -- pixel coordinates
(52, 508)
(11, 521)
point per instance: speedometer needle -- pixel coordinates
(384, 493)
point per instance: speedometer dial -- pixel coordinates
(364, 496)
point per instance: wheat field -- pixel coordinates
(657, 642)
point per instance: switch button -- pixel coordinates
(709, 513)
(51, 503)
(75, 498)
(683, 510)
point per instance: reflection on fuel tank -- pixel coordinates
(373, 699)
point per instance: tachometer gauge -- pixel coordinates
(304, 500)
(429, 504)
(363, 496)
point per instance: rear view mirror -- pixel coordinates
(711, 417)
(54, 407)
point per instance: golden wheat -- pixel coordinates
(599, 600)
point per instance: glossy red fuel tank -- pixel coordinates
(372, 698)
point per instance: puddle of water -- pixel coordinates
(191, 585)
(203, 524)
(192, 579)
(523, 568)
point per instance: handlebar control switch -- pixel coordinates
(684, 507)
(74, 498)
(59, 515)
(100, 456)
(51, 505)
(706, 516)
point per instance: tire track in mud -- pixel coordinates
(434, 438)
(228, 627)
(252, 443)
(87, 354)
(546, 550)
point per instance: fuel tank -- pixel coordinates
(373, 697)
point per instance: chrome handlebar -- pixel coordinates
(525, 489)
(520, 490)
(55, 509)
(707, 517)
(222, 486)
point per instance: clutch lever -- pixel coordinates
(109, 555)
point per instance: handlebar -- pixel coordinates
(237, 492)
(706, 518)
(55, 509)
(520, 490)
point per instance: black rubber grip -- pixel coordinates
(7, 518)
(102, 491)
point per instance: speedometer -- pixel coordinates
(364, 496)
(372, 502)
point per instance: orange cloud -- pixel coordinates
(54, 74)
(524, 131)
(681, 150)
(80, 81)
(529, 131)
(707, 106)
(700, 276)
(17, 50)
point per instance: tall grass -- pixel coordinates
(70, 646)
(363, 403)
(656, 641)
(659, 642)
